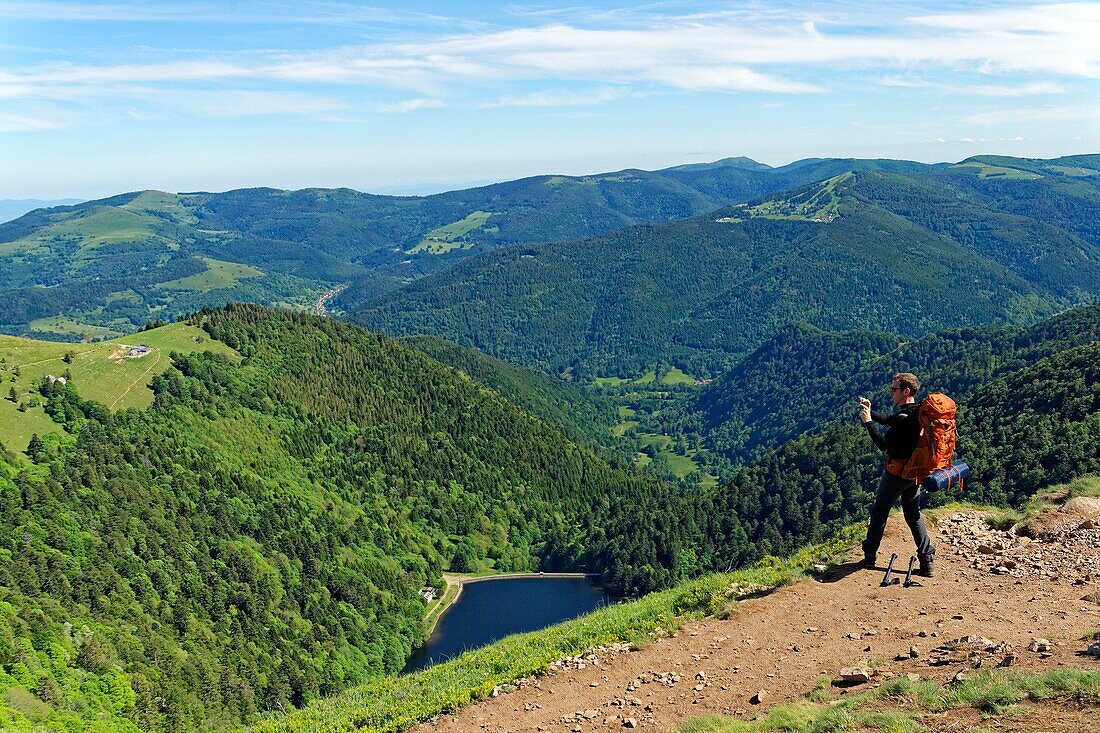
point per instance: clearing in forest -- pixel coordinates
(452, 236)
(104, 371)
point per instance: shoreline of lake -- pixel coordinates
(490, 610)
(455, 581)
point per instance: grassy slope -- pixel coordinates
(218, 275)
(100, 372)
(450, 236)
(93, 227)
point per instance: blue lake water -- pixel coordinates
(492, 609)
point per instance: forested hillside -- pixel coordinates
(580, 412)
(906, 252)
(258, 536)
(805, 379)
(112, 264)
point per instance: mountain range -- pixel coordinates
(104, 267)
(907, 252)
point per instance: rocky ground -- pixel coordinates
(998, 599)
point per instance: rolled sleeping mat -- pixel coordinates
(947, 478)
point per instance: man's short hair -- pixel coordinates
(906, 379)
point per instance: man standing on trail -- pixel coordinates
(902, 432)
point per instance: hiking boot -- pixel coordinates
(870, 559)
(925, 569)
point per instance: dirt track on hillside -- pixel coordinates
(987, 584)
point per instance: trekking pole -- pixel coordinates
(886, 580)
(909, 573)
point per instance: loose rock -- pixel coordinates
(1039, 645)
(858, 675)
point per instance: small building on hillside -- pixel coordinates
(59, 380)
(427, 593)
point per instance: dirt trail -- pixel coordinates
(139, 380)
(988, 584)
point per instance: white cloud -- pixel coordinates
(84, 74)
(978, 140)
(1001, 116)
(559, 98)
(35, 122)
(241, 103)
(754, 50)
(984, 90)
(411, 105)
(263, 13)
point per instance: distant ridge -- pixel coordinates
(15, 208)
(170, 254)
(740, 161)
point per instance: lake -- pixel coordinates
(492, 609)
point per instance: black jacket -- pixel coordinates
(902, 431)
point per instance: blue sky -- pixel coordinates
(102, 97)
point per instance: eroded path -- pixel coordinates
(1001, 590)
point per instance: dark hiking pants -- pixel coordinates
(890, 490)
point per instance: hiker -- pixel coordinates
(902, 431)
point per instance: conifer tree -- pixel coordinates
(35, 446)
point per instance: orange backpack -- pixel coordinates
(936, 442)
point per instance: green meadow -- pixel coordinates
(672, 377)
(650, 446)
(1075, 171)
(101, 371)
(663, 448)
(161, 203)
(69, 327)
(99, 226)
(821, 204)
(996, 171)
(449, 236)
(218, 275)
